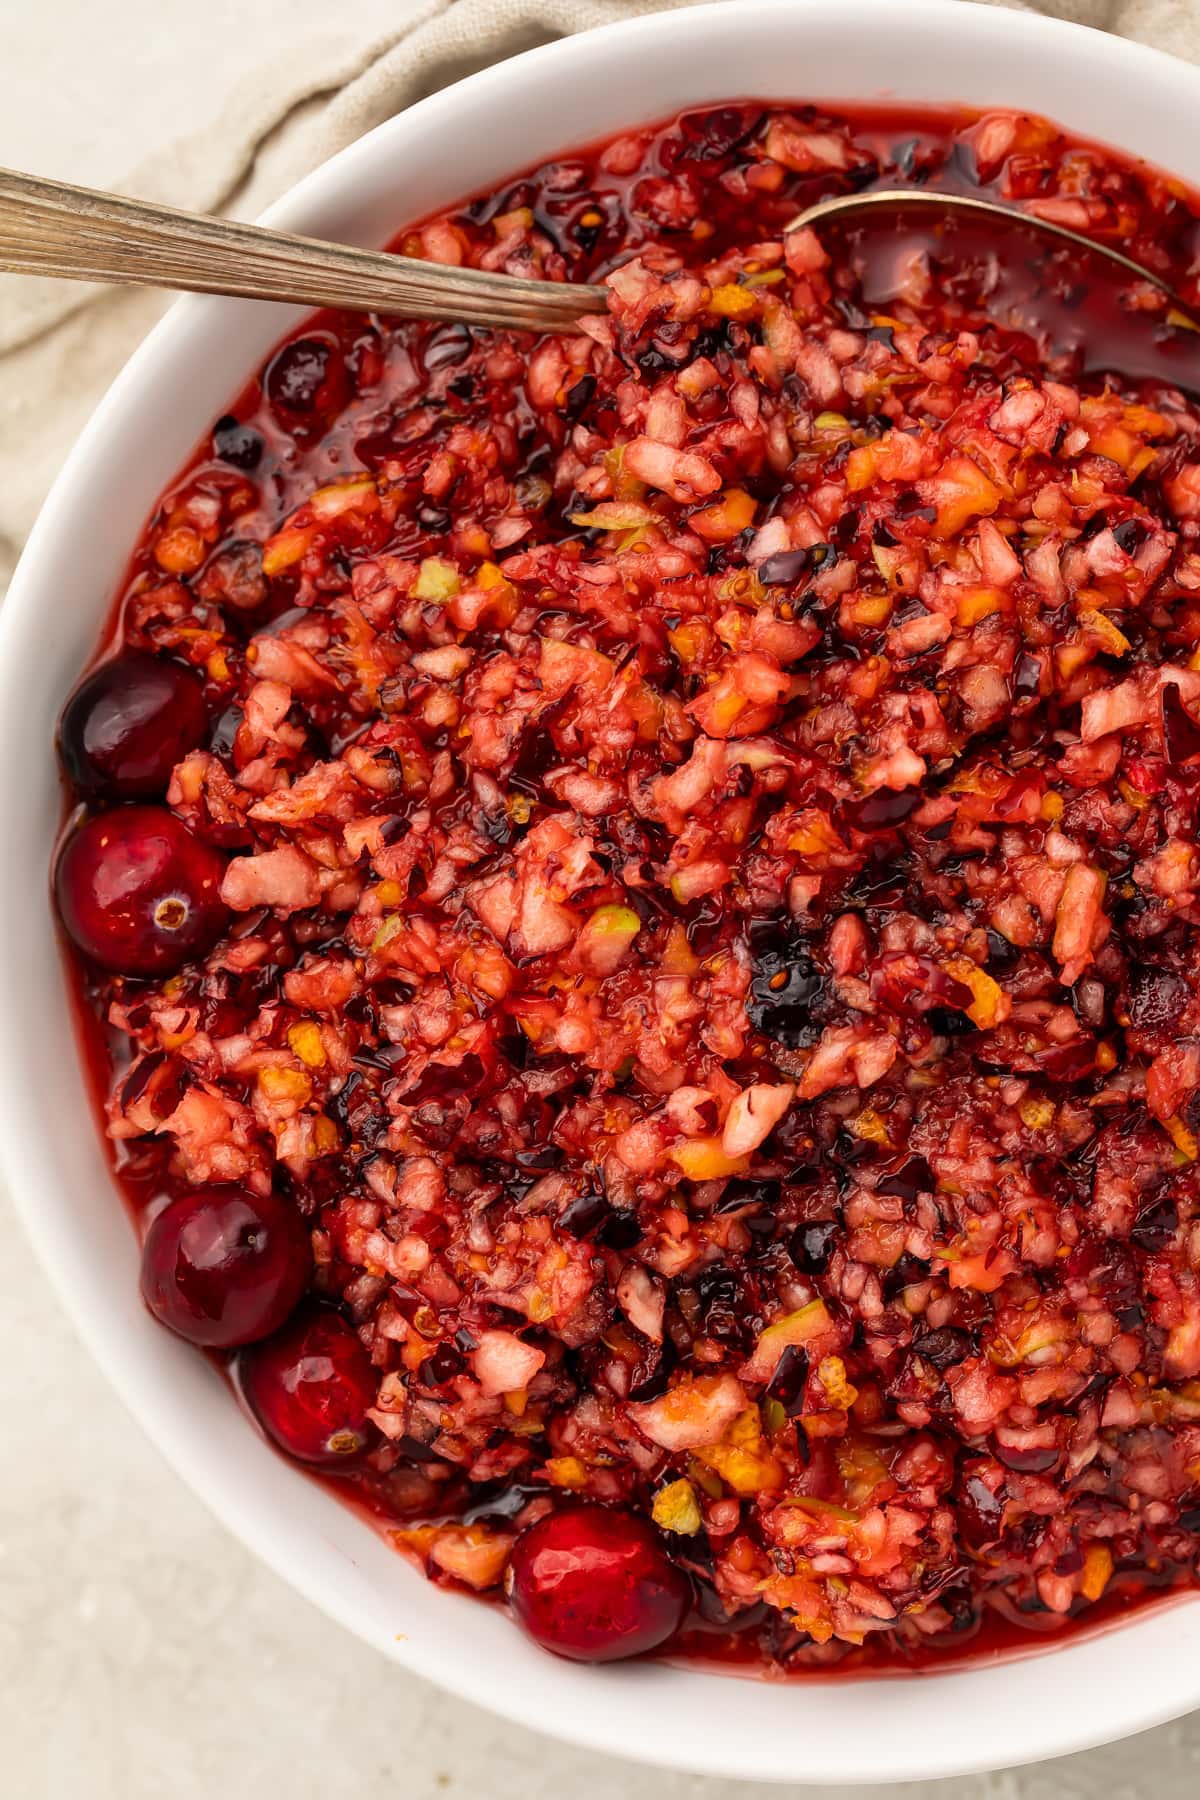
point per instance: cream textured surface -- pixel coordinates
(143, 1655)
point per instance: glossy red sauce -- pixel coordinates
(1071, 309)
(1036, 308)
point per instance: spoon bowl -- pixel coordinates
(907, 200)
(1024, 271)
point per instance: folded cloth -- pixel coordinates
(310, 79)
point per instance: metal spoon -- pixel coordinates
(876, 200)
(51, 228)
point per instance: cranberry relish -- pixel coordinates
(704, 815)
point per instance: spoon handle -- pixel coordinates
(50, 228)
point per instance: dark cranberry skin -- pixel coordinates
(236, 443)
(309, 1387)
(811, 1245)
(980, 1512)
(137, 893)
(127, 724)
(595, 1585)
(1156, 997)
(223, 1267)
(305, 383)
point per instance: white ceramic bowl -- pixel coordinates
(471, 136)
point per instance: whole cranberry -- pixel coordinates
(128, 723)
(310, 1386)
(595, 1585)
(138, 893)
(223, 1267)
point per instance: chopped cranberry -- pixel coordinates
(1156, 997)
(128, 723)
(446, 347)
(306, 381)
(441, 1366)
(222, 1266)
(1033, 1459)
(138, 893)
(310, 1387)
(944, 1347)
(980, 1511)
(724, 1310)
(785, 987)
(708, 137)
(1156, 1225)
(912, 1178)
(885, 808)
(582, 1215)
(788, 1383)
(595, 1585)
(811, 1245)
(234, 577)
(650, 1375)
(1181, 735)
(236, 443)
(1002, 956)
(1027, 677)
(785, 568)
(621, 1230)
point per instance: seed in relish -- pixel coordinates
(137, 893)
(222, 1266)
(595, 1585)
(310, 1386)
(128, 723)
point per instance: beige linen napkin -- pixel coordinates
(229, 117)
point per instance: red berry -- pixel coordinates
(223, 1267)
(310, 1386)
(138, 893)
(128, 723)
(305, 382)
(595, 1585)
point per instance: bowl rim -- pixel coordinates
(24, 1165)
